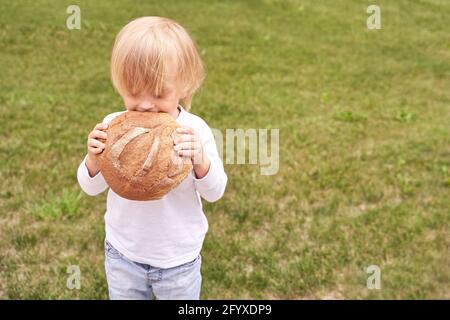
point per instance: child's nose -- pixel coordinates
(146, 106)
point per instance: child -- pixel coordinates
(153, 247)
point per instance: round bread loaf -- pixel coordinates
(139, 161)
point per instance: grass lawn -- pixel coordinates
(364, 145)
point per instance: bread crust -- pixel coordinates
(139, 162)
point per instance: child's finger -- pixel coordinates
(101, 126)
(96, 143)
(99, 134)
(186, 153)
(185, 129)
(184, 138)
(186, 146)
(94, 150)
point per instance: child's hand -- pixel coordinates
(95, 146)
(188, 145)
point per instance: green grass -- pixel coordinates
(364, 145)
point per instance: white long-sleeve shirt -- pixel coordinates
(168, 232)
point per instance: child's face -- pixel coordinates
(167, 102)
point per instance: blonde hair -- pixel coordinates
(143, 49)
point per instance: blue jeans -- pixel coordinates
(136, 281)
